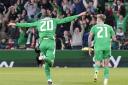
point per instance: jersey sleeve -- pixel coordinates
(67, 19)
(34, 24)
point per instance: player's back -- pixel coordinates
(47, 27)
(102, 36)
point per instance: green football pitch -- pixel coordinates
(61, 76)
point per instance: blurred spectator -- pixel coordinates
(13, 33)
(125, 44)
(122, 22)
(110, 19)
(22, 39)
(120, 37)
(119, 7)
(2, 8)
(42, 14)
(45, 4)
(101, 6)
(12, 14)
(59, 44)
(10, 44)
(77, 35)
(31, 39)
(31, 8)
(56, 8)
(24, 16)
(66, 4)
(3, 44)
(120, 34)
(78, 6)
(91, 6)
(2, 27)
(66, 40)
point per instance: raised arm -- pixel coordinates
(95, 3)
(70, 18)
(82, 28)
(126, 17)
(85, 4)
(71, 27)
(26, 5)
(8, 13)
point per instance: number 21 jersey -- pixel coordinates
(102, 36)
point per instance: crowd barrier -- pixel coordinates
(65, 58)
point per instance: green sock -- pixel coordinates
(47, 71)
(48, 61)
(106, 72)
(96, 67)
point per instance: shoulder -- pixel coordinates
(109, 26)
(94, 26)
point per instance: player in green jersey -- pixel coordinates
(46, 28)
(102, 34)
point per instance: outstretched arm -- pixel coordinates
(34, 24)
(70, 18)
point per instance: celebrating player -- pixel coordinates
(102, 34)
(46, 28)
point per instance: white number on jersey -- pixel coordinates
(46, 25)
(101, 30)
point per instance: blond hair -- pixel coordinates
(101, 16)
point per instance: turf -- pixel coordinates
(61, 76)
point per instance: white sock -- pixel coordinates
(41, 57)
(50, 80)
(105, 81)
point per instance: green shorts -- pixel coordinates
(47, 47)
(100, 55)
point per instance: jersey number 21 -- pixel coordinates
(46, 25)
(101, 31)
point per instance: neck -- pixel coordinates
(100, 22)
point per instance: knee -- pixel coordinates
(97, 63)
(106, 63)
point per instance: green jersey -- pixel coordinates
(102, 36)
(47, 26)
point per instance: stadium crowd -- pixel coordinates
(73, 35)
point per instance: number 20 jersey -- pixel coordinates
(102, 36)
(47, 26)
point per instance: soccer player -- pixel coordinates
(46, 28)
(102, 34)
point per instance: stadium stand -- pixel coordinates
(31, 10)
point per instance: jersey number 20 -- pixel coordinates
(46, 25)
(101, 31)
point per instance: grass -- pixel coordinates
(61, 76)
